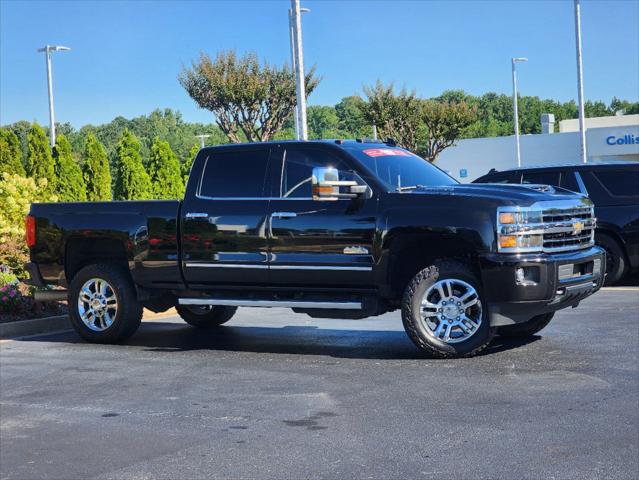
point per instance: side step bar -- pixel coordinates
(271, 303)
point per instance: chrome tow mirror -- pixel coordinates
(328, 186)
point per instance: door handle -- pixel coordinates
(283, 215)
(196, 215)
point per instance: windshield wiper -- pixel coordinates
(409, 187)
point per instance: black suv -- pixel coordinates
(613, 188)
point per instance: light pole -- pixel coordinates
(291, 34)
(47, 49)
(515, 113)
(202, 137)
(300, 87)
(580, 83)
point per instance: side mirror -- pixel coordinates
(327, 185)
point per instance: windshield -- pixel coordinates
(401, 170)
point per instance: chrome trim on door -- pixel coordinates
(271, 303)
(224, 265)
(317, 267)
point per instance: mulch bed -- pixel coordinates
(23, 307)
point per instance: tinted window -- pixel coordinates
(569, 182)
(235, 174)
(398, 168)
(541, 178)
(504, 177)
(620, 183)
(297, 171)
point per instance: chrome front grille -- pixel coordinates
(568, 228)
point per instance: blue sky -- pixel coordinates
(126, 55)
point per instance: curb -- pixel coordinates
(59, 323)
(23, 328)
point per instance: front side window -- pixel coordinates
(235, 174)
(397, 168)
(569, 182)
(297, 171)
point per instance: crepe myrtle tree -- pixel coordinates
(250, 101)
(396, 116)
(444, 123)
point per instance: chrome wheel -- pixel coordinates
(97, 304)
(451, 311)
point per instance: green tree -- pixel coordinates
(131, 180)
(39, 159)
(322, 122)
(95, 171)
(396, 116)
(70, 186)
(246, 97)
(188, 162)
(443, 123)
(351, 119)
(10, 153)
(164, 170)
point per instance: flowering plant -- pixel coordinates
(10, 296)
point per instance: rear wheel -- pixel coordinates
(203, 316)
(443, 311)
(615, 258)
(526, 329)
(102, 304)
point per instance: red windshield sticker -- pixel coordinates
(385, 152)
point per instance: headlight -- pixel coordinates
(519, 230)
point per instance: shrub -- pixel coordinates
(39, 159)
(17, 193)
(71, 187)
(10, 153)
(95, 171)
(131, 181)
(164, 170)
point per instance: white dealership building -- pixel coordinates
(607, 139)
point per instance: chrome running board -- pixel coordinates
(271, 303)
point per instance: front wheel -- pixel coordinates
(526, 329)
(202, 316)
(444, 313)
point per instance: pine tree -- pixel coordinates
(10, 153)
(70, 187)
(188, 163)
(164, 169)
(96, 170)
(39, 159)
(131, 181)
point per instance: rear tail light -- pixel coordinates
(30, 230)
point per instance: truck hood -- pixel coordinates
(508, 194)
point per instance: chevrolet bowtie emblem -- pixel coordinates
(578, 227)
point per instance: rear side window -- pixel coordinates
(619, 183)
(569, 182)
(541, 178)
(235, 174)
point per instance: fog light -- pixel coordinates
(520, 275)
(596, 266)
(507, 241)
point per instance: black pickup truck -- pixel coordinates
(339, 229)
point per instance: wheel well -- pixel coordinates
(81, 252)
(410, 254)
(612, 236)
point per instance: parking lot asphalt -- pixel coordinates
(278, 395)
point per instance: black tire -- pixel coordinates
(202, 317)
(125, 318)
(526, 329)
(615, 258)
(417, 329)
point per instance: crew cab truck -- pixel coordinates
(339, 229)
